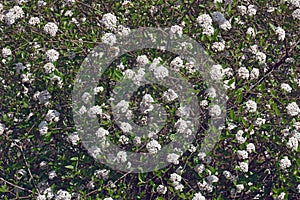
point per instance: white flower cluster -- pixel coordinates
(160, 72)
(293, 109)
(173, 158)
(52, 116)
(63, 195)
(176, 64)
(243, 72)
(251, 10)
(121, 157)
(94, 111)
(293, 143)
(285, 163)
(198, 196)
(251, 106)
(176, 30)
(170, 95)
(153, 146)
(205, 21)
(239, 137)
(51, 28)
(243, 166)
(101, 133)
(215, 110)
(280, 32)
(43, 128)
(42, 96)
(110, 21)
(73, 139)
(182, 127)
(216, 72)
(6, 52)
(52, 55)
(34, 21)
(242, 154)
(251, 32)
(296, 14)
(103, 174)
(218, 46)
(220, 19)
(286, 87)
(13, 14)
(176, 179)
(142, 60)
(146, 104)
(2, 128)
(109, 39)
(254, 74)
(161, 189)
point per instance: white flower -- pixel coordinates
(296, 14)
(250, 147)
(239, 188)
(220, 19)
(198, 196)
(215, 111)
(126, 127)
(121, 156)
(109, 39)
(98, 90)
(242, 9)
(161, 189)
(13, 14)
(52, 55)
(153, 146)
(293, 143)
(123, 140)
(49, 68)
(34, 21)
(243, 166)
(161, 72)
(142, 60)
(298, 188)
(216, 72)
(101, 132)
(63, 195)
(261, 57)
(103, 173)
(2, 128)
(285, 163)
(243, 72)
(254, 73)
(218, 46)
(205, 21)
(176, 64)
(94, 111)
(52, 175)
(281, 196)
(123, 31)
(212, 179)
(211, 92)
(242, 154)
(74, 139)
(109, 20)
(41, 197)
(170, 95)
(51, 28)
(176, 30)
(52, 115)
(293, 109)
(239, 137)
(86, 97)
(227, 174)
(286, 87)
(251, 32)
(108, 198)
(252, 9)
(43, 128)
(281, 33)
(6, 52)
(251, 106)
(173, 158)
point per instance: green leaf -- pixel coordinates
(69, 167)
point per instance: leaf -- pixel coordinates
(69, 167)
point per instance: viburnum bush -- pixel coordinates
(256, 49)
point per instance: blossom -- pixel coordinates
(243, 72)
(280, 32)
(285, 163)
(286, 87)
(52, 55)
(251, 106)
(173, 158)
(109, 20)
(6, 52)
(51, 28)
(176, 30)
(63, 195)
(198, 196)
(293, 109)
(153, 146)
(34, 21)
(250, 147)
(161, 189)
(109, 39)
(142, 60)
